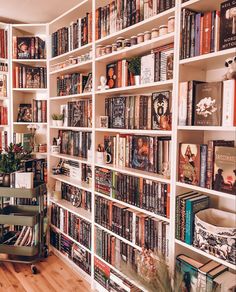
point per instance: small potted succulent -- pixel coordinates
(54, 120)
(57, 120)
(10, 161)
(134, 66)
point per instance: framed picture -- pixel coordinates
(103, 121)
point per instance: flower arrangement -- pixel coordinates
(11, 158)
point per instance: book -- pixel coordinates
(3, 85)
(207, 104)
(189, 163)
(225, 282)
(24, 113)
(161, 115)
(227, 25)
(212, 274)
(224, 169)
(112, 75)
(229, 103)
(147, 68)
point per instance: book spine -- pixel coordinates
(203, 161)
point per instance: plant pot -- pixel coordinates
(137, 79)
(59, 123)
(54, 123)
(6, 180)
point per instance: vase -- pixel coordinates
(54, 123)
(59, 123)
(137, 79)
(6, 180)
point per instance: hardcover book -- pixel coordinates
(112, 75)
(118, 112)
(161, 116)
(32, 77)
(228, 25)
(23, 47)
(147, 68)
(189, 163)
(225, 169)
(24, 113)
(208, 104)
(140, 159)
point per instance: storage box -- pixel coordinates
(215, 233)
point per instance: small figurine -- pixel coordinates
(230, 64)
(103, 82)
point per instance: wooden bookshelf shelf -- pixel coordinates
(30, 90)
(138, 89)
(74, 96)
(209, 128)
(206, 191)
(69, 157)
(139, 49)
(135, 132)
(80, 212)
(72, 239)
(134, 207)
(82, 67)
(82, 129)
(72, 181)
(135, 172)
(29, 123)
(142, 26)
(199, 5)
(210, 61)
(209, 256)
(31, 62)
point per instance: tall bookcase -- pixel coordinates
(209, 67)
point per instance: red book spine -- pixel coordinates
(206, 45)
(119, 73)
(44, 111)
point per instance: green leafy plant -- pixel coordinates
(60, 117)
(55, 117)
(11, 158)
(134, 65)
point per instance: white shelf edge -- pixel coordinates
(135, 131)
(207, 128)
(71, 96)
(72, 182)
(70, 157)
(73, 67)
(81, 129)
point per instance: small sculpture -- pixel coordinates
(230, 64)
(103, 82)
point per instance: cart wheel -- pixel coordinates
(45, 251)
(34, 269)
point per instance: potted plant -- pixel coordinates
(10, 161)
(134, 66)
(60, 120)
(54, 120)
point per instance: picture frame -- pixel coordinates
(103, 121)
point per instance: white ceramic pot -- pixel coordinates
(59, 123)
(137, 79)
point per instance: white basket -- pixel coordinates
(215, 233)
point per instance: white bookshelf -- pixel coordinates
(208, 67)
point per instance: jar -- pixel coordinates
(98, 51)
(42, 148)
(147, 35)
(103, 51)
(120, 43)
(133, 40)
(163, 30)
(36, 148)
(108, 49)
(114, 47)
(140, 38)
(154, 33)
(127, 43)
(171, 24)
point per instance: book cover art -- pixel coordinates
(225, 169)
(161, 116)
(24, 113)
(32, 77)
(228, 25)
(147, 68)
(77, 114)
(140, 157)
(23, 47)
(112, 75)
(189, 163)
(118, 112)
(208, 104)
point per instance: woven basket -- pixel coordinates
(215, 233)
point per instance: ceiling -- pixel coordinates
(33, 11)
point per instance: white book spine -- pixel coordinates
(183, 101)
(228, 102)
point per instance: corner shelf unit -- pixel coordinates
(208, 67)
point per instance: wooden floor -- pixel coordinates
(54, 275)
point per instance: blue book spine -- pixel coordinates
(197, 34)
(192, 207)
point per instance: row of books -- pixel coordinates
(3, 44)
(75, 143)
(35, 112)
(75, 83)
(77, 228)
(206, 32)
(77, 254)
(78, 198)
(113, 250)
(3, 115)
(119, 14)
(111, 280)
(3, 139)
(143, 112)
(25, 139)
(187, 205)
(30, 77)
(28, 48)
(25, 237)
(77, 113)
(76, 170)
(209, 165)
(142, 193)
(3, 85)
(78, 34)
(208, 277)
(207, 103)
(147, 153)
(157, 66)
